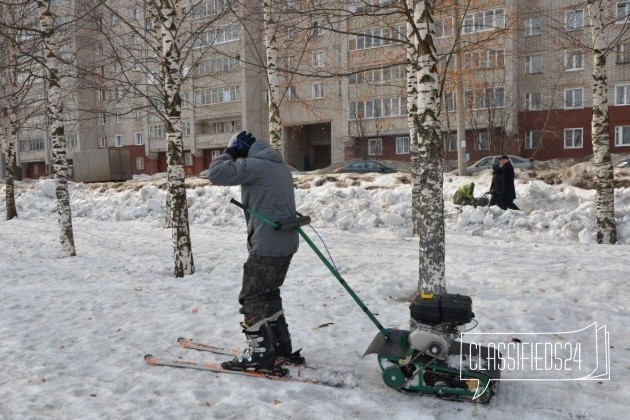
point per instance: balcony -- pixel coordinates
(159, 145)
(33, 156)
(213, 141)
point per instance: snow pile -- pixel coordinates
(346, 202)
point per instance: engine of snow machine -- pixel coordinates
(435, 319)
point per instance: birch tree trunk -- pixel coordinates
(55, 114)
(428, 177)
(273, 76)
(9, 154)
(412, 106)
(605, 190)
(11, 140)
(167, 15)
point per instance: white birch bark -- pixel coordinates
(412, 106)
(166, 14)
(428, 178)
(273, 76)
(11, 139)
(55, 114)
(605, 190)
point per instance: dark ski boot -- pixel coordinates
(282, 343)
(260, 354)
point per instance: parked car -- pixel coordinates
(625, 163)
(366, 166)
(487, 162)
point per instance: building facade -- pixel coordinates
(519, 72)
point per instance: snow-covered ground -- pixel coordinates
(75, 329)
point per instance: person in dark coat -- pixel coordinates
(267, 188)
(509, 193)
(497, 187)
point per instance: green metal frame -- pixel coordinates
(327, 263)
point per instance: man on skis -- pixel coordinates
(266, 187)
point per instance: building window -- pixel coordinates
(188, 159)
(118, 140)
(533, 26)
(291, 93)
(185, 128)
(318, 30)
(622, 135)
(489, 98)
(119, 117)
(443, 27)
(216, 65)
(318, 90)
(140, 163)
(221, 35)
(102, 119)
(219, 95)
(493, 58)
(376, 108)
(623, 53)
(375, 147)
(449, 101)
(451, 142)
(573, 98)
(71, 140)
(156, 131)
(318, 59)
(377, 75)
(623, 12)
(139, 138)
(487, 20)
(102, 95)
(376, 38)
(573, 19)
(103, 142)
(532, 139)
(533, 64)
(533, 101)
(622, 94)
(484, 141)
(402, 145)
(573, 60)
(573, 138)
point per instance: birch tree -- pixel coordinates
(10, 95)
(166, 17)
(53, 65)
(605, 190)
(427, 173)
(270, 9)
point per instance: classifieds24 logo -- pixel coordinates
(579, 355)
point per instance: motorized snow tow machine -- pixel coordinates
(427, 359)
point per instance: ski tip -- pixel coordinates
(180, 339)
(148, 357)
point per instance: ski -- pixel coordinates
(195, 345)
(216, 367)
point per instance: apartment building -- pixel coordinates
(524, 67)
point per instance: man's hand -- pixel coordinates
(240, 144)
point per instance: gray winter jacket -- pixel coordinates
(266, 187)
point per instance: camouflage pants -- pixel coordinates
(260, 293)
